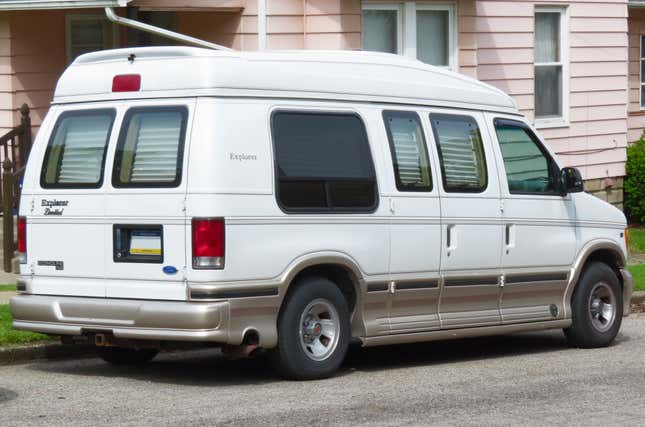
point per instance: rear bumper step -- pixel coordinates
(131, 319)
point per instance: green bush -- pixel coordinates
(635, 182)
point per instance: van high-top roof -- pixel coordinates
(338, 75)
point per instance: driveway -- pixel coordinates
(522, 379)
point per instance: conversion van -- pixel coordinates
(297, 201)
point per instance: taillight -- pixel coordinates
(126, 83)
(208, 243)
(22, 239)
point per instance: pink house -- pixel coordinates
(573, 67)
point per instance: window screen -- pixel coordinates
(528, 168)
(408, 147)
(433, 37)
(150, 150)
(548, 64)
(380, 30)
(461, 153)
(76, 150)
(323, 162)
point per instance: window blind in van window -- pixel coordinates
(155, 155)
(76, 150)
(461, 153)
(150, 150)
(408, 148)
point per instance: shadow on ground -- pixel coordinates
(207, 367)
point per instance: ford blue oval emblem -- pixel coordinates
(169, 269)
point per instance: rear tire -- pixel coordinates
(313, 331)
(596, 308)
(126, 356)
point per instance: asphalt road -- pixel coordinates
(520, 379)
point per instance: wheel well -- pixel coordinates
(608, 257)
(338, 274)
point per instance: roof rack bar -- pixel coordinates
(109, 12)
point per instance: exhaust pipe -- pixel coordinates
(109, 13)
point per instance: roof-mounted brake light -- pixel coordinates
(126, 83)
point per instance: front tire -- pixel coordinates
(313, 331)
(597, 308)
(126, 356)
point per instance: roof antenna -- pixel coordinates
(109, 12)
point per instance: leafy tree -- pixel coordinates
(635, 182)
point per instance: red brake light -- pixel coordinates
(208, 243)
(22, 239)
(126, 83)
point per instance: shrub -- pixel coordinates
(635, 182)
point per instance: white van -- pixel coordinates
(296, 201)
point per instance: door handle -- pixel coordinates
(451, 238)
(509, 237)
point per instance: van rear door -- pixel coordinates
(66, 238)
(145, 196)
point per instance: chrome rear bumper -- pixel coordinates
(133, 319)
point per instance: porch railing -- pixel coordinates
(14, 148)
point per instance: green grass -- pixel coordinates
(637, 240)
(11, 336)
(638, 271)
(7, 288)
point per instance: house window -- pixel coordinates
(642, 72)
(550, 66)
(162, 19)
(419, 30)
(88, 33)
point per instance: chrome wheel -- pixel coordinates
(319, 329)
(602, 307)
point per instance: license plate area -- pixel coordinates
(138, 243)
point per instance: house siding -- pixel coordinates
(636, 117)
(6, 71)
(597, 75)
(38, 58)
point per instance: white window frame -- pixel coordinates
(71, 18)
(407, 26)
(563, 120)
(640, 72)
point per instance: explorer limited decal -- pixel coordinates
(53, 207)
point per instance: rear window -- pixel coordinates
(150, 148)
(75, 154)
(323, 162)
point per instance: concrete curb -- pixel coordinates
(58, 351)
(44, 351)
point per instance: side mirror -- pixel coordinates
(571, 181)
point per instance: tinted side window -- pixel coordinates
(461, 153)
(323, 162)
(151, 147)
(529, 169)
(75, 154)
(408, 148)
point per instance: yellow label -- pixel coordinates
(138, 251)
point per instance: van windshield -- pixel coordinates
(75, 154)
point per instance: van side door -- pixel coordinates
(539, 224)
(415, 239)
(471, 220)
